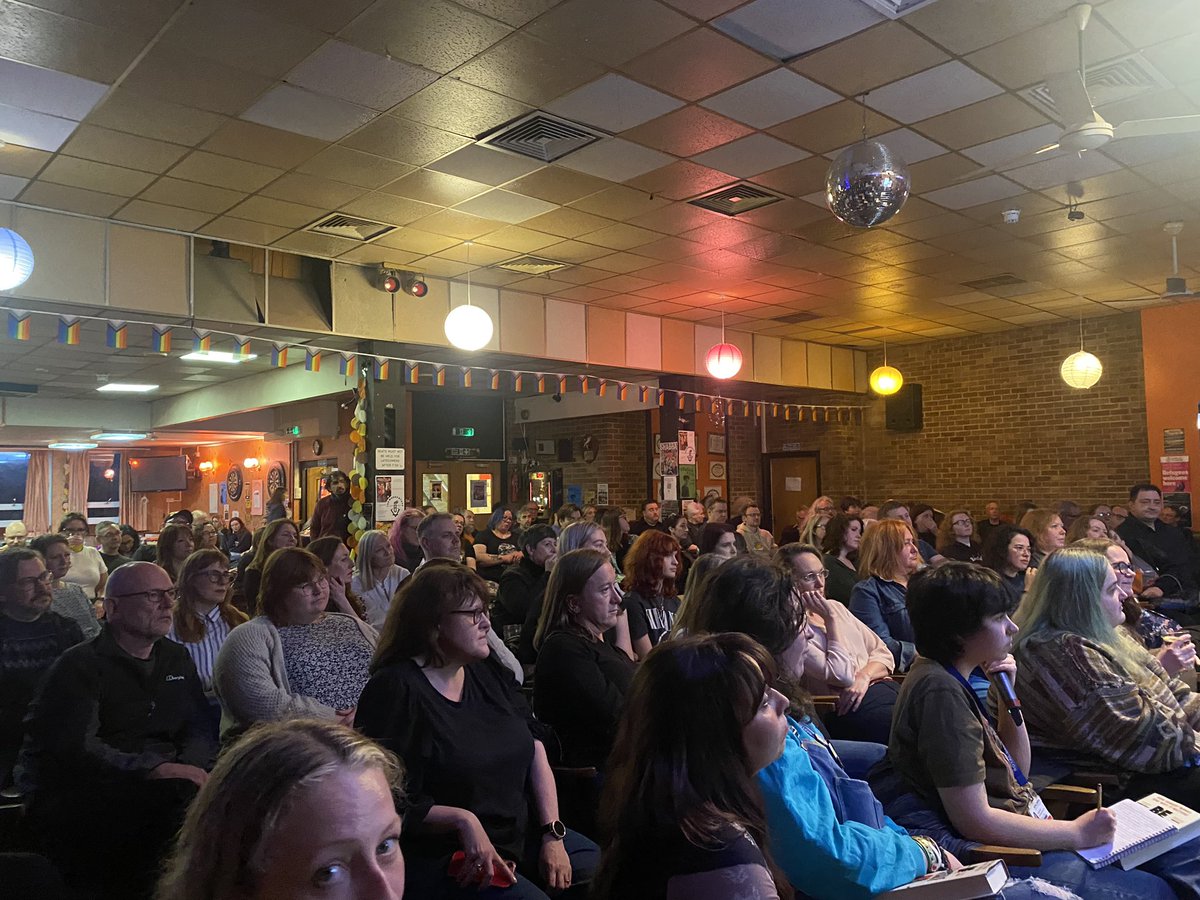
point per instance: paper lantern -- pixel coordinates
(886, 380)
(1081, 370)
(724, 360)
(468, 327)
(16, 260)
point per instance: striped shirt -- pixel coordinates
(204, 651)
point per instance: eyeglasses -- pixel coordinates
(813, 577)
(476, 615)
(153, 596)
(1103, 515)
(1123, 569)
(74, 531)
(216, 577)
(311, 588)
(26, 583)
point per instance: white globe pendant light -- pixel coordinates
(468, 327)
(16, 260)
(1081, 370)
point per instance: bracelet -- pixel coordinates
(935, 856)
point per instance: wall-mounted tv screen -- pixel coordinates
(450, 427)
(157, 473)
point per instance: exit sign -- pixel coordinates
(466, 431)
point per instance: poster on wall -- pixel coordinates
(668, 459)
(223, 492)
(670, 485)
(575, 494)
(687, 482)
(1176, 474)
(214, 503)
(256, 500)
(602, 494)
(435, 492)
(687, 448)
(389, 497)
(479, 492)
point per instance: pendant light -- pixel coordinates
(1081, 370)
(16, 260)
(724, 360)
(468, 327)
(886, 380)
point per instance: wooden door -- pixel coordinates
(313, 491)
(793, 481)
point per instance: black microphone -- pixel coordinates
(1011, 702)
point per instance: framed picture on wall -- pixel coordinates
(716, 443)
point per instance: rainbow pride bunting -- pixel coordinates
(201, 341)
(562, 384)
(279, 353)
(601, 387)
(346, 363)
(541, 384)
(412, 373)
(495, 380)
(68, 330)
(160, 339)
(518, 381)
(18, 325)
(623, 391)
(584, 383)
(312, 360)
(116, 335)
(439, 376)
(383, 368)
(242, 347)
(643, 393)
(466, 377)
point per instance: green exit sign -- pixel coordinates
(463, 432)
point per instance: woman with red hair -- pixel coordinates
(651, 598)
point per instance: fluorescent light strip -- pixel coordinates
(117, 387)
(119, 436)
(217, 356)
(73, 445)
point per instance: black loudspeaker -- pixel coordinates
(520, 445)
(566, 451)
(904, 409)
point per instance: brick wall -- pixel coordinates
(623, 462)
(1001, 425)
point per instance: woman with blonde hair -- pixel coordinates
(814, 530)
(887, 557)
(377, 577)
(956, 537)
(1048, 533)
(250, 831)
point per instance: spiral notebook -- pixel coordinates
(1137, 828)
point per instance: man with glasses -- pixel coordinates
(108, 537)
(32, 636)
(116, 744)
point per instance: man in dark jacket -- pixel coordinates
(651, 519)
(116, 742)
(331, 518)
(1163, 546)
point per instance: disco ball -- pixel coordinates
(866, 185)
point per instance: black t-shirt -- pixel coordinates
(472, 754)
(650, 618)
(496, 546)
(111, 561)
(963, 553)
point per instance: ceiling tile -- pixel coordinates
(614, 103)
(94, 176)
(435, 187)
(11, 186)
(416, 241)
(482, 164)
(832, 126)
(620, 237)
(772, 98)
(310, 189)
(353, 167)
(33, 129)
(455, 106)
(751, 155)
(260, 144)
(1007, 150)
(387, 208)
(1029, 57)
(981, 122)
(680, 180)
(505, 206)
(1059, 170)
(939, 172)
(436, 35)
(47, 91)
(44, 38)
(932, 92)
(908, 145)
(404, 141)
(511, 12)
(972, 193)
(612, 32)
(615, 159)
(316, 244)
(557, 185)
(474, 253)
(622, 262)
(178, 76)
(188, 195)
(244, 231)
(276, 212)
(117, 148)
(302, 112)
(223, 171)
(528, 69)
(774, 27)
(798, 178)
(338, 69)
(321, 15)
(452, 223)
(687, 131)
(567, 222)
(894, 51)
(22, 161)
(134, 113)
(374, 255)
(72, 199)
(672, 218)
(232, 33)
(517, 239)
(964, 25)
(698, 64)
(159, 216)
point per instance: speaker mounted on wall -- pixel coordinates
(905, 409)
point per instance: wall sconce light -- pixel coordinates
(207, 466)
(250, 462)
(110, 474)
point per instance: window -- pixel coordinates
(13, 468)
(104, 488)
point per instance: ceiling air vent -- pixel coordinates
(984, 284)
(736, 199)
(541, 136)
(531, 265)
(1111, 82)
(350, 227)
(797, 318)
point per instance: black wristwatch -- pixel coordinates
(555, 829)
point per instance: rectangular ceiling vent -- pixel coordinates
(894, 9)
(984, 284)
(541, 136)
(350, 227)
(736, 199)
(531, 265)
(797, 318)
(1110, 82)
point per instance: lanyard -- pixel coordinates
(987, 721)
(805, 730)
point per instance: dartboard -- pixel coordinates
(233, 483)
(276, 478)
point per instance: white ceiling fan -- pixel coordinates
(1177, 288)
(1084, 128)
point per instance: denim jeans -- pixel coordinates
(859, 756)
(1067, 868)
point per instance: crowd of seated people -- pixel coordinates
(820, 722)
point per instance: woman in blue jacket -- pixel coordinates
(887, 557)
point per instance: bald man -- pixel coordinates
(116, 741)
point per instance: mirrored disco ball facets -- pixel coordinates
(866, 185)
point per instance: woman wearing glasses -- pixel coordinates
(842, 656)
(294, 659)
(204, 614)
(484, 808)
(87, 566)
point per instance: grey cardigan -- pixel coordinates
(250, 678)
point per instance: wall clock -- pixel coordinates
(317, 447)
(234, 483)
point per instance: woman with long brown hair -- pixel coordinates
(339, 572)
(175, 544)
(650, 597)
(280, 534)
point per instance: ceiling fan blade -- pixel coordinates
(1152, 127)
(1071, 98)
(1025, 159)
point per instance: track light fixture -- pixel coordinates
(409, 282)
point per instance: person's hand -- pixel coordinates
(194, 774)
(1030, 574)
(98, 608)
(1093, 828)
(1152, 593)
(483, 863)
(1177, 656)
(554, 865)
(851, 697)
(1007, 665)
(815, 601)
(952, 863)
(346, 716)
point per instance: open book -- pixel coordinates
(980, 880)
(1187, 826)
(1142, 832)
